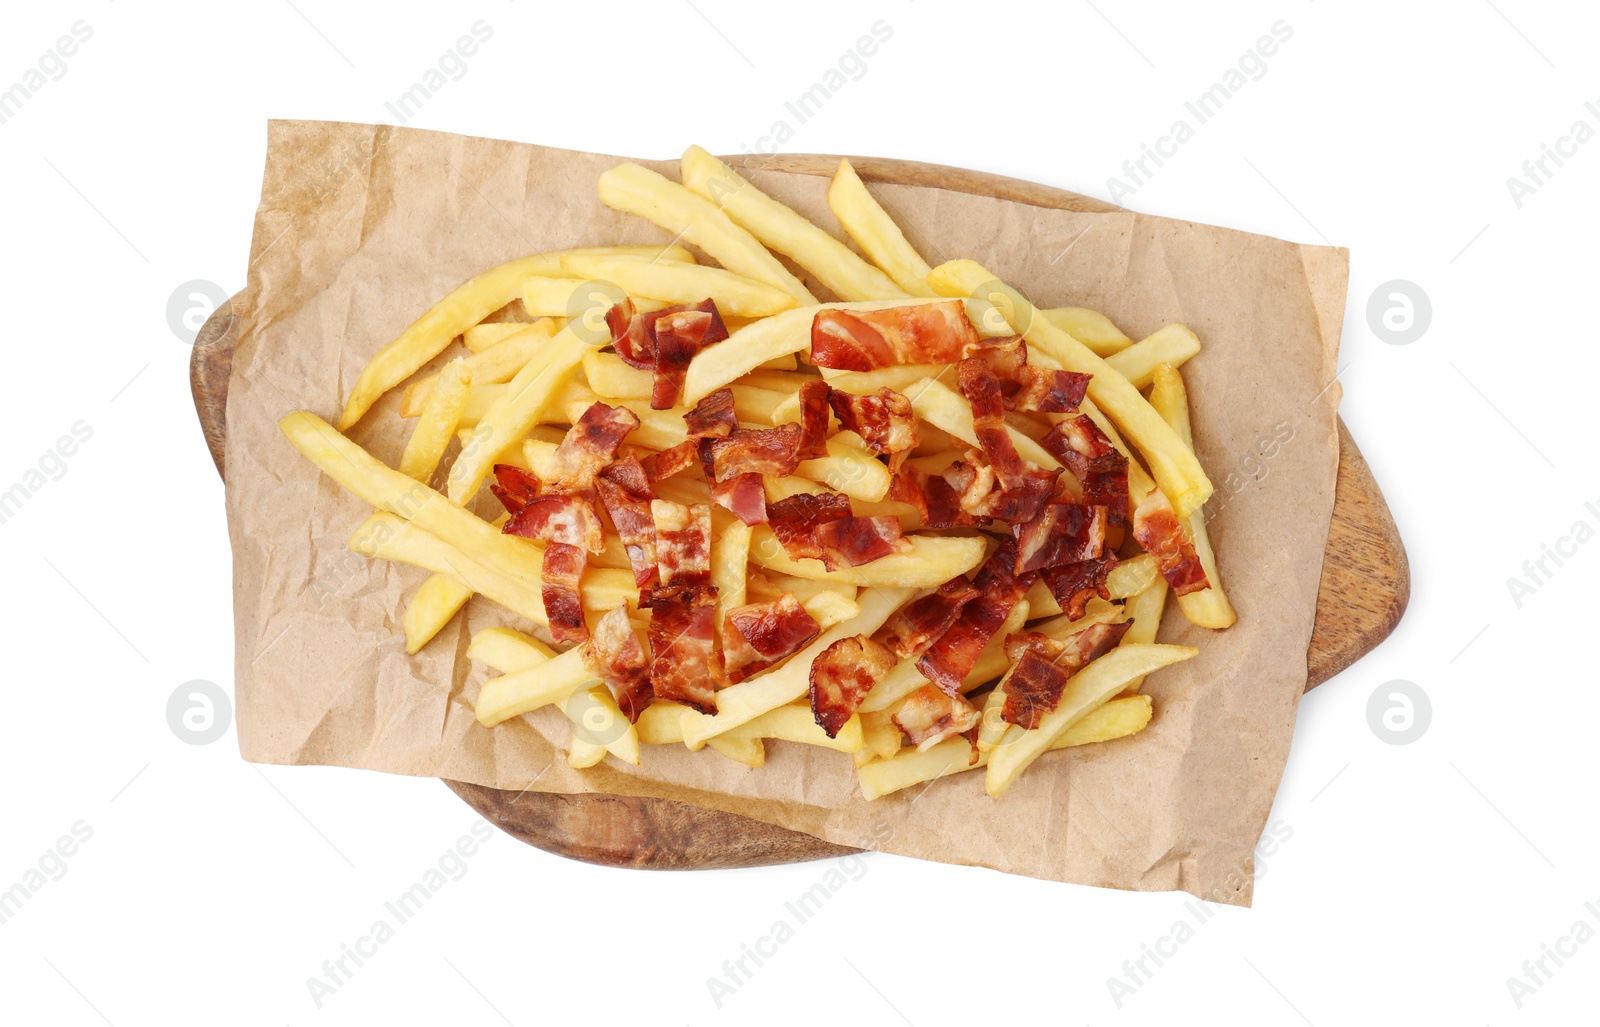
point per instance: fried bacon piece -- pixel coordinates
(1157, 529)
(664, 341)
(712, 417)
(625, 490)
(683, 543)
(1088, 453)
(589, 445)
(560, 518)
(1062, 533)
(928, 716)
(885, 422)
(796, 518)
(1074, 584)
(1024, 386)
(670, 461)
(563, 567)
(613, 655)
(514, 487)
(952, 655)
(842, 675)
(814, 396)
(853, 541)
(1025, 488)
(770, 451)
(757, 635)
(862, 340)
(911, 629)
(686, 668)
(1041, 666)
(936, 498)
(744, 496)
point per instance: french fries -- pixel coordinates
(875, 232)
(493, 366)
(1209, 607)
(387, 537)
(480, 337)
(675, 282)
(932, 560)
(1173, 345)
(439, 417)
(1091, 328)
(431, 608)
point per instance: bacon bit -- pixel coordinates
(912, 628)
(1063, 533)
(687, 668)
(1157, 529)
(885, 422)
(1043, 665)
(853, 541)
(1088, 453)
(683, 543)
(770, 451)
(563, 567)
(630, 474)
(559, 518)
(1074, 584)
(669, 462)
(936, 499)
(680, 333)
(1006, 357)
(613, 655)
(795, 520)
(862, 340)
(1023, 386)
(757, 635)
(514, 487)
(929, 716)
(629, 338)
(630, 513)
(744, 496)
(842, 675)
(589, 445)
(952, 655)
(814, 396)
(712, 417)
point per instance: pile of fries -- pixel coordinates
(921, 522)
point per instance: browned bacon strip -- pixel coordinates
(951, 657)
(1157, 529)
(1024, 386)
(862, 340)
(813, 420)
(885, 422)
(589, 445)
(842, 675)
(563, 567)
(1042, 666)
(1062, 533)
(912, 628)
(757, 635)
(514, 487)
(686, 667)
(937, 501)
(559, 518)
(853, 541)
(929, 716)
(712, 417)
(1074, 584)
(795, 519)
(683, 543)
(771, 451)
(613, 655)
(744, 496)
(680, 333)
(1087, 452)
(625, 490)
(672, 461)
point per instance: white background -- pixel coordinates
(1417, 877)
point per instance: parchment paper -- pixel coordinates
(361, 228)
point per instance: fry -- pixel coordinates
(1089, 327)
(658, 429)
(730, 560)
(431, 608)
(613, 378)
(568, 298)
(1173, 345)
(509, 651)
(833, 263)
(1085, 690)
(830, 608)
(1144, 610)
(899, 378)
(776, 381)
(749, 751)
(1128, 578)
(673, 282)
(848, 467)
(1209, 607)
(493, 366)
(761, 406)
(633, 189)
(872, 229)
(387, 537)
(948, 410)
(1174, 465)
(521, 691)
(469, 303)
(440, 415)
(933, 559)
(481, 336)
(905, 678)
(798, 724)
(1116, 719)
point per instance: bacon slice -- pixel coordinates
(686, 667)
(1157, 529)
(712, 417)
(560, 518)
(1024, 386)
(928, 716)
(885, 422)
(842, 675)
(744, 496)
(771, 451)
(683, 543)
(1074, 584)
(1062, 533)
(1042, 666)
(757, 635)
(680, 333)
(629, 337)
(853, 541)
(589, 445)
(862, 340)
(669, 462)
(613, 655)
(625, 490)
(936, 499)
(563, 567)
(1088, 453)
(514, 487)
(814, 396)
(1025, 487)
(952, 655)
(911, 629)
(795, 520)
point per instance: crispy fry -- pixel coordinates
(900, 378)
(730, 561)
(872, 229)
(1209, 607)
(830, 608)
(521, 691)
(1173, 345)
(949, 411)
(1144, 610)
(1089, 327)
(431, 608)
(585, 301)
(440, 415)
(387, 537)
(509, 651)
(762, 406)
(932, 559)
(849, 467)
(481, 336)
(673, 282)
(493, 366)
(749, 751)
(658, 429)
(612, 378)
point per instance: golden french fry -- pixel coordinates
(776, 381)
(904, 678)
(872, 229)
(932, 560)
(730, 560)
(658, 429)
(583, 301)
(469, 303)
(636, 190)
(481, 336)
(832, 263)
(949, 411)
(749, 751)
(431, 608)
(1088, 688)
(491, 367)
(830, 608)
(760, 406)
(672, 282)
(849, 468)
(1173, 345)
(437, 424)
(613, 378)
(799, 724)
(387, 537)
(519, 692)
(900, 378)
(1209, 607)
(507, 650)
(1144, 610)
(1175, 468)
(1089, 327)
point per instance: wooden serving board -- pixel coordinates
(1366, 582)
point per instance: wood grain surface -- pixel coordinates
(1366, 582)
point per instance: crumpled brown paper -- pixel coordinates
(363, 227)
